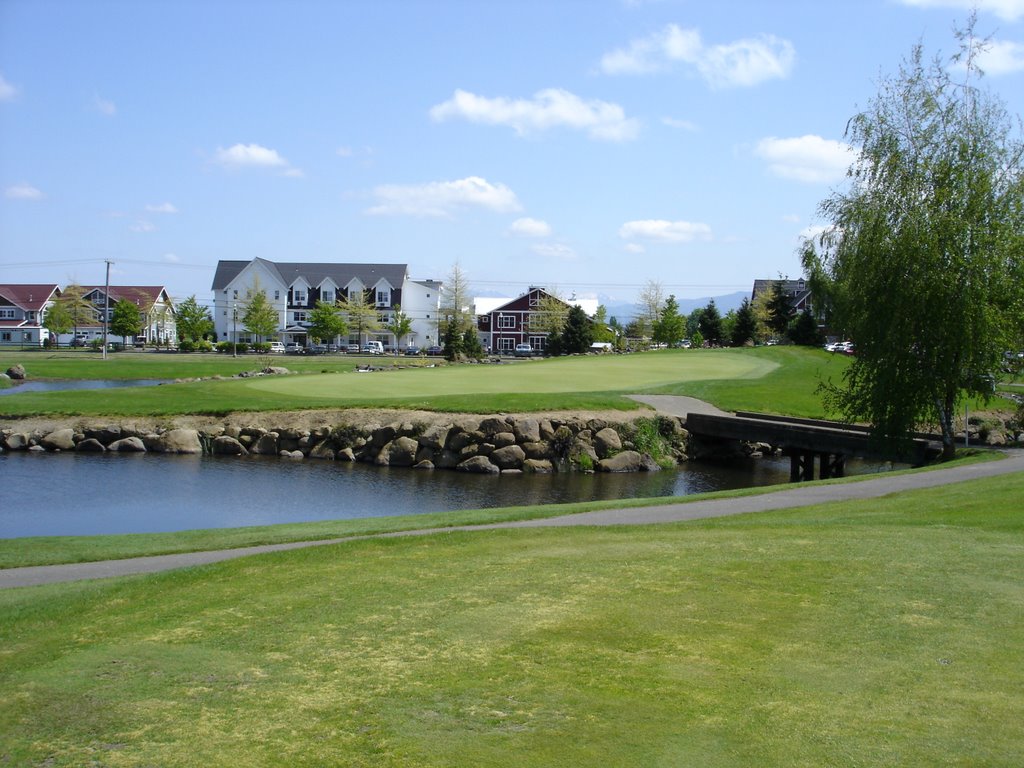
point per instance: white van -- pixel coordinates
(373, 348)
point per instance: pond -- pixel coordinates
(55, 494)
(57, 385)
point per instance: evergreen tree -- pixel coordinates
(744, 330)
(578, 334)
(710, 324)
(804, 330)
(780, 309)
(670, 326)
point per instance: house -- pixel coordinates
(798, 291)
(504, 323)
(156, 312)
(22, 308)
(294, 288)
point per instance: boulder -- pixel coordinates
(526, 430)
(266, 445)
(345, 454)
(291, 455)
(105, 435)
(501, 439)
(538, 466)
(322, 450)
(492, 425)
(225, 445)
(127, 445)
(607, 442)
(175, 441)
(425, 464)
(627, 461)
(16, 441)
(90, 445)
(479, 465)
(434, 437)
(508, 457)
(648, 464)
(59, 440)
(538, 450)
(16, 371)
(402, 452)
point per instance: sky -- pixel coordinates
(586, 146)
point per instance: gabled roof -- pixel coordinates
(315, 272)
(142, 295)
(32, 296)
(487, 305)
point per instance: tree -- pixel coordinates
(670, 326)
(57, 320)
(744, 329)
(326, 322)
(604, 331)
(578, 333)
(710, 324)
(126, 320)
(260, 317)
(922, 263)
(193, 321)
(650, 299)
(804, 330)
(399, 326)
(779, 309)
(80, 310)
(359, 313)
(455, 313)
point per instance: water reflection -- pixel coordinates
(72, 494)
(57, 385)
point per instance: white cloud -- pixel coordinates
(23, 192)
(741, 63)
(161, 208)
(554, 251)
(142, 227)
(684, 125)
(7, 91)
(172, 258)
(104, 106)
(635, 248)
(665, 231)
(549, 108)
(255, 156)
(443, 198)
(527, 227)
(810, 159)
(1002, 57)
(1010, 10)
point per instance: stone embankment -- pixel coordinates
(478, 444)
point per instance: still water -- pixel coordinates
(57, 385)
(46, 494)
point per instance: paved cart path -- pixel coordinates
(798, 495)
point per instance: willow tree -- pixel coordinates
(922, 264)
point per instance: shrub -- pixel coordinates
(261, 347)
(204, 346)
(186, 345)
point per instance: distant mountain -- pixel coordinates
(625, 311)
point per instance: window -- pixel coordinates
(277, 295)
(505, 344)
(383, 297)
(299, 317)
(298, 296)
(506, 321)
(7, 314)
(5, 336)
(327, 294)
(236, 294)
(538, 342)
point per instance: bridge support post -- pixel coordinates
(801, 465)
(832, 465)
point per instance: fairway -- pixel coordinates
(614, 373)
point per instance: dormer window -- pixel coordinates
(327, 294)
(299, 297)
(383, 297)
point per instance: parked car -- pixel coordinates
(435, 351)
(316, 349)
(523, 350)
(412, 350)
(294, 348)
(352, 349)
(373, 348)
(277, 347)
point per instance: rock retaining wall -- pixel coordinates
(485, 445)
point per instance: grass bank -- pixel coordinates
(876, 633)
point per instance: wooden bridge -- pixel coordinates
(805, 441)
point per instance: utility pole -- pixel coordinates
(106, 309)
(234, 330)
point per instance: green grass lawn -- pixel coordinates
(557, 384)
(886, 632)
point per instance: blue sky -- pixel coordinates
(590, 146)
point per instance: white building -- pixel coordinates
(22, 308)
(294, 288)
